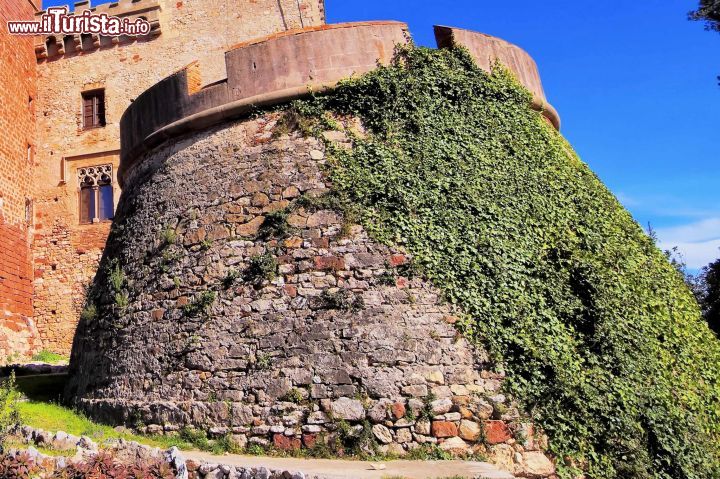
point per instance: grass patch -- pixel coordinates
(53, 417)
(49, 357)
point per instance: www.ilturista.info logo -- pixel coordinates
(56, 20)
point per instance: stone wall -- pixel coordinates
(17, 148)
(66, 252)
(226, 301)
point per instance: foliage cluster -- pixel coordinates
(9, 415)
(600, 338)
(710, 279)
(342, 299)
(201, 304)
(709, 12)
(261, 268)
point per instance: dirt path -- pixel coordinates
(339, 469)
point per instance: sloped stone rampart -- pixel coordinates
(248, 312)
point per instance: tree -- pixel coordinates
(708, 12)
(710, 278)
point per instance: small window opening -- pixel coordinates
(28, 211)
(87, 42)
(93, 109)
(69, 44)
(105, 41)
(52, 47)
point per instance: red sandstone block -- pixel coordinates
(321, 243)
(285, 443)
(325, 263)
(309, 440)
(497, 432)
(398, 410)
(444, 429)
(398, 259)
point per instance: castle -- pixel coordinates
(164, 119)
(62, 100)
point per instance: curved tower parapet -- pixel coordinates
(288, 65)
(486, 50)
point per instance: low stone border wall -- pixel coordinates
(130, 451)
(33, 369)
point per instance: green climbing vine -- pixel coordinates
(600, 339)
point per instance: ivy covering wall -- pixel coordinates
(601, 341)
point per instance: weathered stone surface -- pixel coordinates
(422, 426)
(441, 406)
(348, 409)
(455, 445)
(403, 435)
(382, 434)
(496, 432)
(398, 410)
(503, 456)
(285, 443)
(444, 429)
(268, 333)
(469, 430)
(536, 464)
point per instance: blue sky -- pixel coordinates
(635, 85)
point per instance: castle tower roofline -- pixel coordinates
(279, 68)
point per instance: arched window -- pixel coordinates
(96, 194)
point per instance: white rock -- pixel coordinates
(537, 464)
(382, 433)
(348, 409)
(441, 406)
(454, 445)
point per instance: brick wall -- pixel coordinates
(17, 88)
(65, 252)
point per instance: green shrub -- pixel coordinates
(342, 300)
(275, 225)
(168, 236)
(200, 304)
(116, 276)
(230, 278)
(9, 415)
(262, 267)
(89, 313)
(601, 340)
(122, 301)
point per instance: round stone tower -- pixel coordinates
(230, 299)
